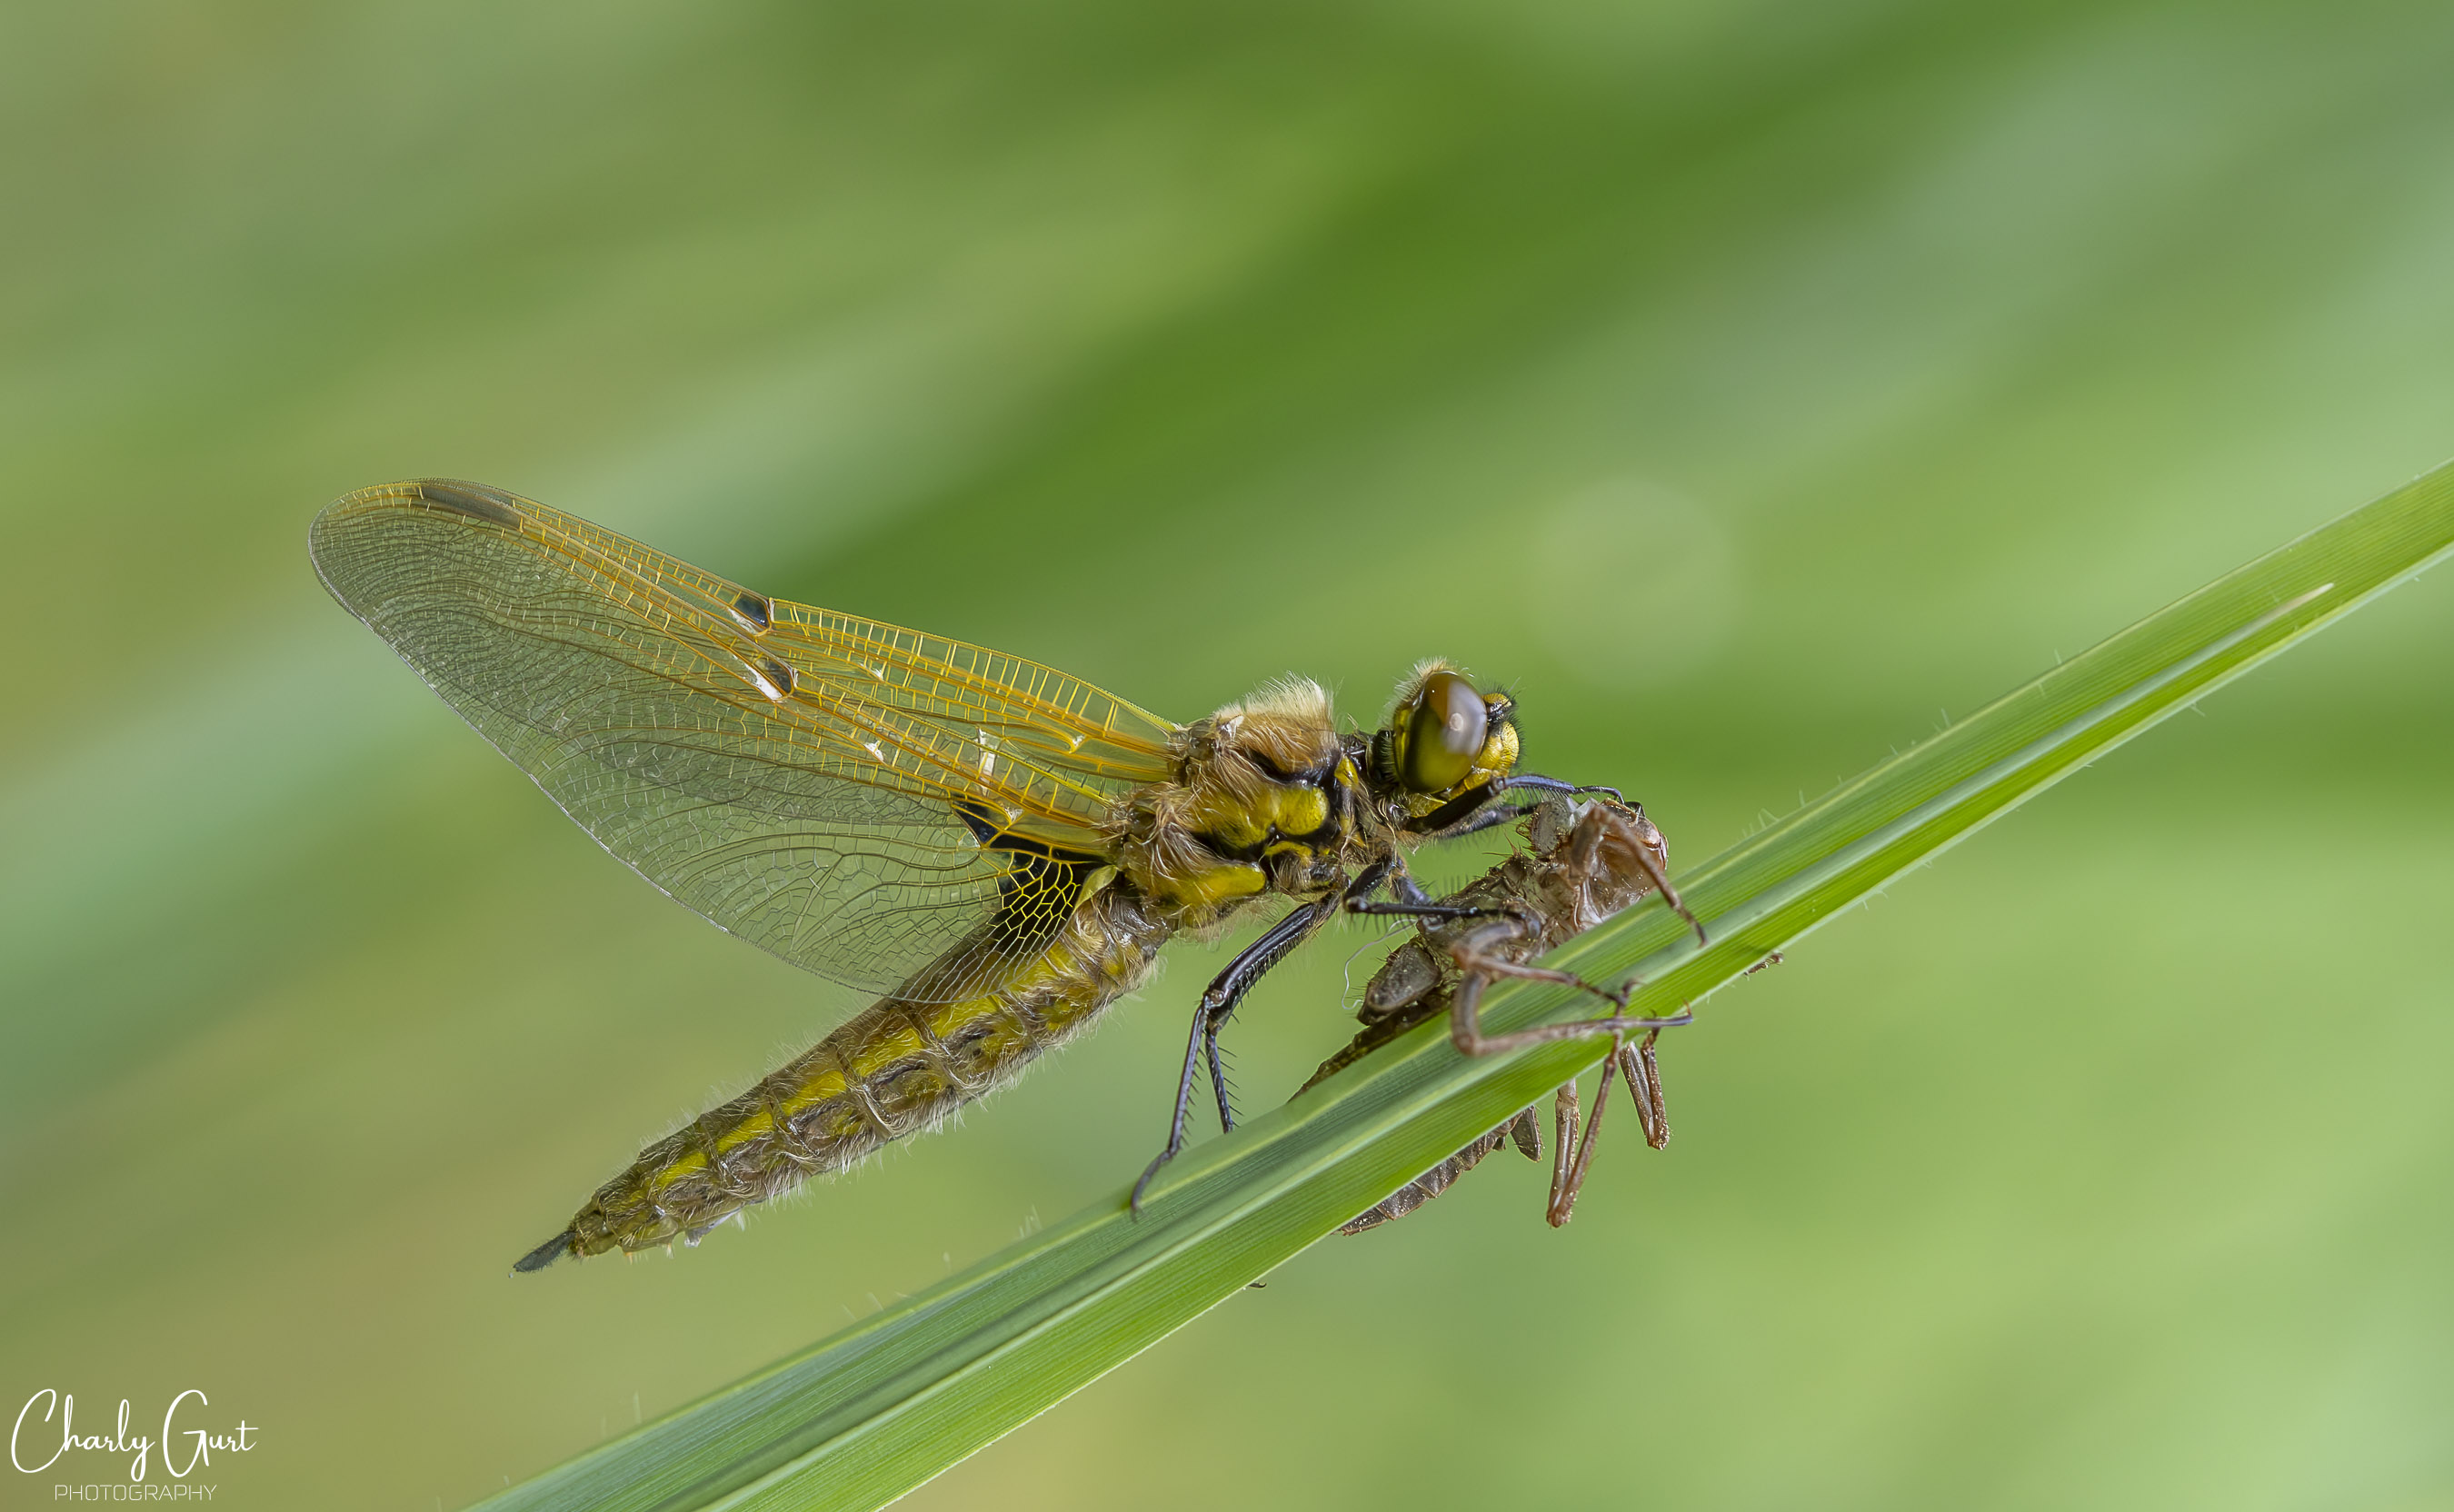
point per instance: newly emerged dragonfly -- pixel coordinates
(998, 848)
(1583, 863)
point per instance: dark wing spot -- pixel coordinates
(779, 674)
(1036, 893)
(472, 499)
(975, 819)
(752, 611)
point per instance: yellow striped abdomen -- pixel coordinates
(900, 1066)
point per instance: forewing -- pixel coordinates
(858, 799)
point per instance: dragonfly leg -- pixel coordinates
(1483, 819)
(1407, 900)
(1175, 1124)
(1444, 911)
(1219, 1078)
(1468, 809)
(1536, 782)
(1218, 1003)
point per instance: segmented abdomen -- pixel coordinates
(1520, 1130)
(899, 1067)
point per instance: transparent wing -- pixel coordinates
(861, 800)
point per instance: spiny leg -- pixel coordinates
(1247, 968)
(1218, 1002)
(1467, 809)
(1487, 817)
(1444, 913)
(1407, 900)
(1219, 1077)
(1183, 1105)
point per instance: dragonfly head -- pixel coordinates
(1443, 737)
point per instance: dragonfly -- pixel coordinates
(1583, 862)
(998, 849)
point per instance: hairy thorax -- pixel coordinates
(1267, 799)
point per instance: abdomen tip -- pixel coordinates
(545, 1254)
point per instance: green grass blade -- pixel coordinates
(866, 1414)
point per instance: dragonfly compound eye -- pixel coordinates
(1443, 733)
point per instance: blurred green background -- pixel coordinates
(1752, 385)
